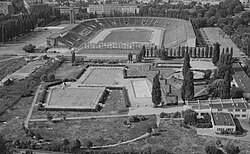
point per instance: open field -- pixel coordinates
(124, 36)
(66, 70)
(84, 97)
(100, 131)
(10, 66)
(113, 105)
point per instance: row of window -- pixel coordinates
(227, 129)
(243, 115)
(236, 110)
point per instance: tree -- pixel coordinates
(143, 51)
(187, 90)
(89, 144)
(73, 57)
(216, 53)
(189, 85)
(44, 78)
(3, 146)
(75, 146)
(29, 48)
(236, 92)
(38, 136)
(211, 149)
(190, 117)
(51, 77)
(206, 51)
(232, 149)
(186, 64)
(156, 90)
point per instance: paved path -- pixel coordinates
(79, 118)
(26, 123)
(121, 143)
(16, 57)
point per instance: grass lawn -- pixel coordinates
(123, 36)
(114, 105)
(14, 118)
(178, 140)
(66, 70)
(10, 66)
(99, 131)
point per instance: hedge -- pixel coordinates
(80, 73)
(42, 96)
(126, 98)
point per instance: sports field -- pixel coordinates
(129, 35)
(102, 76)
(124, 36)
(84, 97)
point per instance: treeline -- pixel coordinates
(209, 15)
(16, 25)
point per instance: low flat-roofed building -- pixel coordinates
(223, 122)
(6, 8)
(237, 107)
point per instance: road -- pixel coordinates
(26, 123)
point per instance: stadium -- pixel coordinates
(125, 33)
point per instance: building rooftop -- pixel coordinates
(241, 78)
(62, 31)
(223, 119)
(229, 104)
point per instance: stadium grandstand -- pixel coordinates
(176, 31)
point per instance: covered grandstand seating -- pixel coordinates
(175, 29)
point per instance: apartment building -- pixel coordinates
(108, 8)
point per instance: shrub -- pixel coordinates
(29, 48)
(204, 125)
(44, 78)
(190, 117)
(89, 144)
(232, 149)
(51, 77)
(149, 130)
(224, 132)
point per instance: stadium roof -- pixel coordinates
(62, 31)
(189, 29)
(223, 119)
(241, 78)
